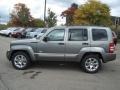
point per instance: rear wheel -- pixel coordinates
(91, 63)
(20, 60)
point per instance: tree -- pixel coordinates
(69, 13)
(38, 23)
(92, 12)
(20, 16)
(3, 26)
(51, 20)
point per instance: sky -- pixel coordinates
(37, 7)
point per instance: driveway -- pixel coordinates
(56, 76)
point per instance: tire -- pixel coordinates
(20, 64)
(19, 36)
(91, 63)
(9, 35)
(35, 36)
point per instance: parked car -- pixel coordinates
(88, 45)
(26, 31)
(114, 37)
(18, 33)
(34, 33)
(42, 33)
(8, 31)
(1, 32)
(29, 33)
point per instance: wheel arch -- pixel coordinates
(15, 51)
(93, 53)
(28, 50)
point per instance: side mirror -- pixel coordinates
(46, 39)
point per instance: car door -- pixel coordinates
(54, 48)
(77, 39)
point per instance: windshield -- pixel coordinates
(41, 34)
(32, 30)
(44, 31)
(28, 29)
(38, 30)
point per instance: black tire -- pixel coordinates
(19, 36)
(26, 57)
(85, 61)
(35, 36)
(9, 35)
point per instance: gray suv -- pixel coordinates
(88, 45)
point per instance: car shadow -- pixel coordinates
(56, 65)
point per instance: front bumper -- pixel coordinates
(109, 57)
(14, 35)
(28, 36)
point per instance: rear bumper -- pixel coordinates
(109, 57)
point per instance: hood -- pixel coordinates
(24, 41)
(16, 31)
(4, 30)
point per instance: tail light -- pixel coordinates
(111, 47)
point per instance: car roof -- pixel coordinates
(59, 27)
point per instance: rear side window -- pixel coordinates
(78, 35)
(99, 35)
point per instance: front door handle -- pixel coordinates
(61, 43)
(85, 43)
(33, 42)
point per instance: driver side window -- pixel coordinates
(56, 35)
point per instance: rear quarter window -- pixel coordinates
(99, 35)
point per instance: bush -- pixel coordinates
(2, 26)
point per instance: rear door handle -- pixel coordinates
(61, 43)
(85, 43)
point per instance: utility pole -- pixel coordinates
(116, 22)
(0, 19)
(45, 12)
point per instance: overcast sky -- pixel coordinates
(37, 7)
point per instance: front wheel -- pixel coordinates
(20, 60)
(10, 35)
(19, 36)
(91, 63)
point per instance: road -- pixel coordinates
(56, 76)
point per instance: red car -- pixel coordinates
(18, 33)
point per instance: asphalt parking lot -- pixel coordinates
(56, 76)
